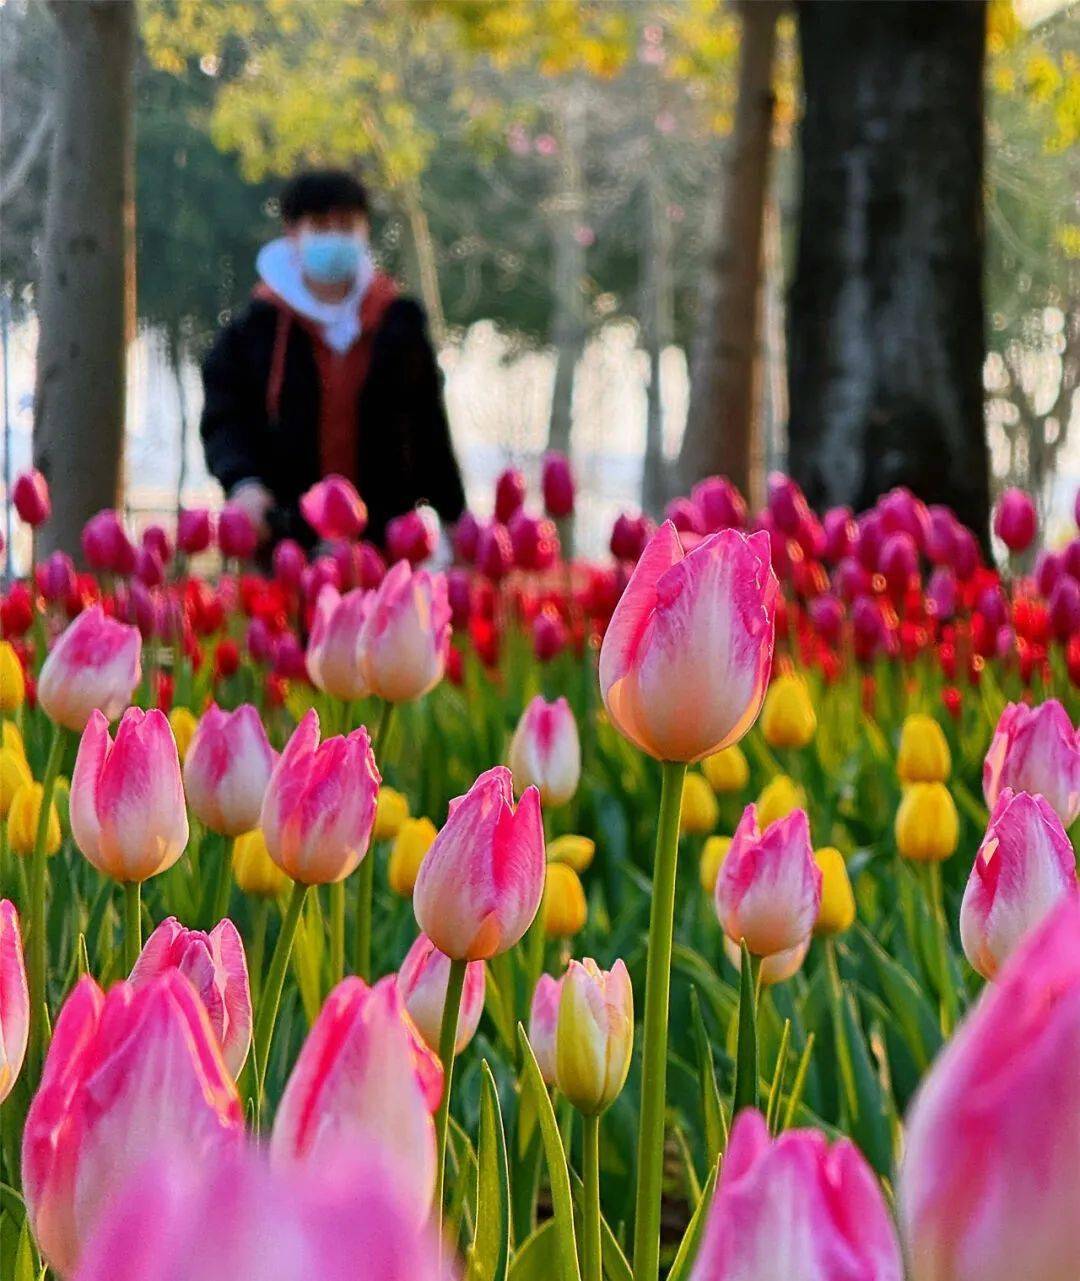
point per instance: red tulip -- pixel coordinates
(30, 494)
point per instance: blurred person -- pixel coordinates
(328, 369)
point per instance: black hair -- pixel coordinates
(320, 191)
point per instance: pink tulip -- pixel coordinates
(686, 657)
(548, 635)
(409, 537)
(796, 1208)
(363, 1078)
(289, 563)
(544, 1023)
(720, 504)
(557, 484)
(545, 752)
(1035, 749)
(1024, 865)
(226, 769)
(334, 509)
(991, 1178)
(494, 552)
(236, 533)
(422, 982)
(56, 577)
(405, 637)
(155, 539)
(127, 800)
(775, 968)
(370, 566)
(630, 536)
(240, 1220)
(333, 652)
(1015, 520)
(509, 494)
(216, 966)
(1064, 608)
(535, 542)
(319, 807)
(769, 888)
(840, 533)
(149, 567)
(14, 999)
(685, 516)
(193, 531)
(480, 884)
(127, 1076)
(30, 495)
(94, 665)
(105, 545)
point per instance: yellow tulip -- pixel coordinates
(837, 911)
(11, 740)
(927, 824)
(14, 773)
(924, 754)
(575, 851)
(727, 771)
(699, 806)
(254, 871)
(778, 798)
(788, 718)
(12, 681)
(563, 905)
(412, 842)
(184, 725)
(22, 821)
(712, 855)
(391, 810)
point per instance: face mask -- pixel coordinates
(330, 257)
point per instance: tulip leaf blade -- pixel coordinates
(688, 1246)
(490, 1256)
(558, 1175)
(711, 1107)
(538, 1257)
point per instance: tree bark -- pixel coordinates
(426, 266)
(722, 416)
(885, 317)
(658, 325)
(84, 303)
(568, 321)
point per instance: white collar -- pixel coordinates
(278, 265)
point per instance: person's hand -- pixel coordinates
(255, 500)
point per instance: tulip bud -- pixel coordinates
(777, 968)
(563, 908)
(30, 495)
(543, 1024)
(769, 888)
(228, 766)
(94, 665)
(422, 982)
(14, 774)
(333, 652)
(713, 853)
(414, 838)
(557, 483)
(481, 882)
(779, 797)
(193, 531)
(545, 751)
(788, 718)
(405, 636)
(927, 825)
(700, 809)
(14, 999)
(727, 771)
(410, 538)
(837, 911)
(254, 871)
(594, 1038)
(575, 851)
(237, 536)
(509, 494)
(334, 509)
(23, 816)
(12, 681)
(391, 810)
(924, 754)
(1036, 749)
(1014, 520)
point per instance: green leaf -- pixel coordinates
(915, 1017)
(615, 1264)
(746, 1054)
(25, 1267)
(773, 1108)
(490, 1256)
(711, 1108)
(688, 1247)
(556, 1163)
(538, 1258)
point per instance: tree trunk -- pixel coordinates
(568, 322)
(722, 418)
(658, 323)
(886, 313)
(83, 307)
(426, 267)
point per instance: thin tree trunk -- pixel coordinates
(886, 341)
(176, 365)
(659, 327)
(84, 304)
(568, 322)
(722, 417)
(427, 271)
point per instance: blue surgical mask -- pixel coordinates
(330, 257)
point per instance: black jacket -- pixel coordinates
(404, 454)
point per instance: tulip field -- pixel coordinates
(707, 911)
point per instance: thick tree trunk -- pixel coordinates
(83, 307)
(722, 418)
(568, 321)
(658, 325)
(886, 314)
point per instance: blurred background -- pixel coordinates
(671, 239)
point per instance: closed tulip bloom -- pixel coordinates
(406, 634)
(563, 908)
(1015, 520)
(254, 871)
(422, 982)
(22, 821)
(12, 680)
(545, 751)
(687, 654)
(788, 718)
(481, 882)
(544, 1024)
(779, 797)
(594, 1037)
(575, 851)
(713, 853)
(769, 888)
(30, 495)
(14, 774)
(414, 838)
(797, 1209)
(927, 825)
(1024, 865)
(183, 724)
(11, 740)
(837, 911)
(990, 1181)
(237, 535)
(775, 968)
(193, 531)
(391, 810)
(319, 807)
(333, 652)
(14, 999)
(227, 768)
(94, 665)
(363, 1077)
(127, 801)
(127, 1075)
(727, 771)
(1036, 749)
(924, 754)
(216, 966)
(700, 809)
(557, 484)
(334, 509)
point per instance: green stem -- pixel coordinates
(38, 951)
(337, 931)
(365, 873)
(257, 946)
(941, 935)
(447, 1038)
(219, 907)
(132, 924)
(379, 746)
(591, 1240)
(654, 1053)
(275, 980)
